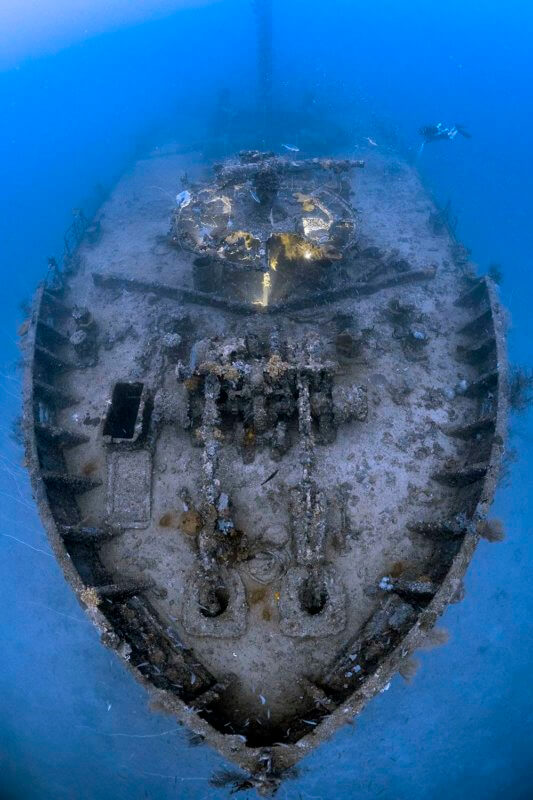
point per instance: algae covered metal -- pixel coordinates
(264, 431)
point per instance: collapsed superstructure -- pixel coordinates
(267, 228)
(265, 444)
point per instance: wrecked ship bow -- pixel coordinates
(265, 448)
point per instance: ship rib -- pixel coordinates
(52, 332)
(51, 358)
(443, 529)
(60, 436)
(58, 306)
(51, 393)
(477, 354)
(472, 430)
(186, 295)
(89, 535)
(461, 477)
(77, 484)
(484, 384)
(481, 323)
(121, 591)
(475, 295)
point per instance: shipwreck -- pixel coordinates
(264, 431)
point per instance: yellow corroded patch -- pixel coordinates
(90, 597)
(191, 522)
(192, 383)
(231, 373)
(305, 200)
(23, 328)
(170, 519)
(242, 238)
(276, 366)
(291, 247)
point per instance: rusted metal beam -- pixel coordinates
(461, 477)
(87, 534)
(60, 436)
(77, 484)
(477, 354)
(186, 295)
(471, 431)
(53, 395)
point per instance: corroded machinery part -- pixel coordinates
(214, 602)
(260, 239)
(265, 383)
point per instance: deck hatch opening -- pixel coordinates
(313, 596)
(122, 415)
(214, 600)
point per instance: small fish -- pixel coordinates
(272, 475)
(371, 141)
(291, 147)
(183, 199)
(271, 217)
(254, 196)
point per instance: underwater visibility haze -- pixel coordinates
(113, 115)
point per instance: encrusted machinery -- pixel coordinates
(267, 227)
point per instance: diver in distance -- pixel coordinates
(439, 132)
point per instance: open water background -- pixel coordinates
(77, 103)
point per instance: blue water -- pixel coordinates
(74, 725)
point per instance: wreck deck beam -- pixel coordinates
(55, 361)
(482, 323)
(475, 295)
(58, 306)
(77, 484)
(54, 395)
(121, 591)
(486, 383)
(89, 535)
(461, 477)
(60, 436)
(483, 425)
(52, 332)
(475, 355)
(439, 530)
(411, 588)
(186, 295)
